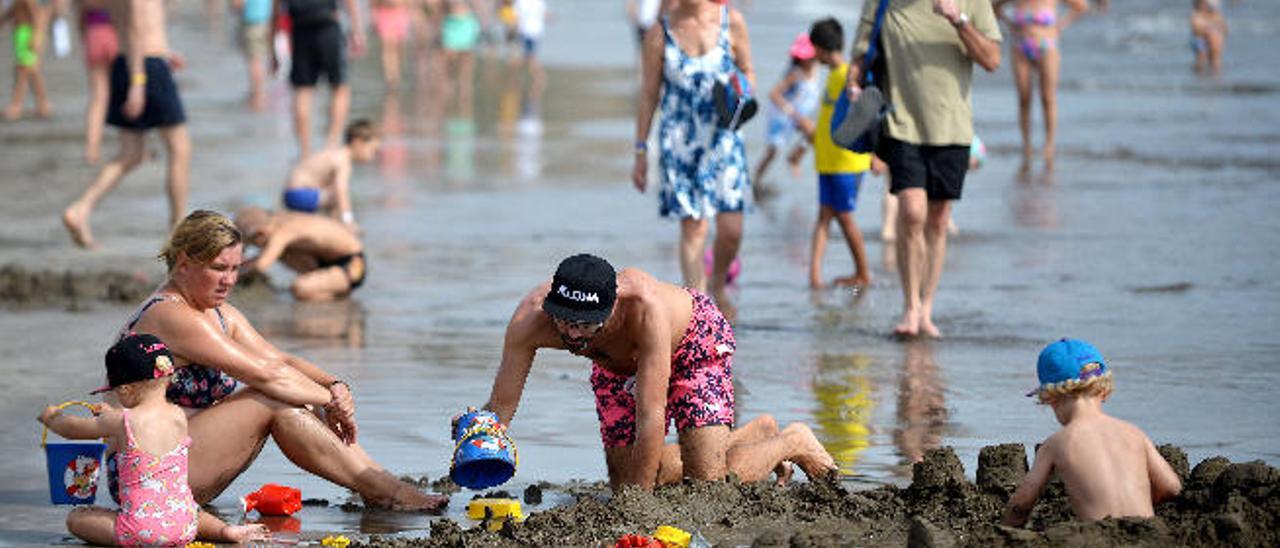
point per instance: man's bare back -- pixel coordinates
(148, 18)
(314, 235)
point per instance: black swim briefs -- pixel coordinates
(355, 273)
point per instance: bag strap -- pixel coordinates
(873, 44)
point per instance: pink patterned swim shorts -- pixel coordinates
(701, 387)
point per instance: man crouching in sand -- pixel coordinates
(660, 353)
(328, 258)
(1109, 467)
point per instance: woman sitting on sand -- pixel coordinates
(309, 413)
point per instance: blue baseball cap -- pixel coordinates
(1066, 360)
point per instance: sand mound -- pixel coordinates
(1222, 504)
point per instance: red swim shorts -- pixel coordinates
(701, 387)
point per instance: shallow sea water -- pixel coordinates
(1155, 240)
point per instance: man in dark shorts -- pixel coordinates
(143, 97)
(929, 49)
(328, 258)
(660, 353)
(319, 48)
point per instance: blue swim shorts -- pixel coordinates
(839, 191)
(305, 199)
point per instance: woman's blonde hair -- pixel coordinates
(1099, 386)
(201, 236)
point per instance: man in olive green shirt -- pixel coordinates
(928, 48)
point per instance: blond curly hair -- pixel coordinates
(1098, 386)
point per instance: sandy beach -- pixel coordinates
(1154, 240)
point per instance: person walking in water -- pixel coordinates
(319, 47)
(101, 45)
(928, 134)
(29, 21)
(1208, 36)
(143, 97)
(1037, 28)
(704, 172)
(793, 102)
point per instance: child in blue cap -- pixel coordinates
(1109, 467)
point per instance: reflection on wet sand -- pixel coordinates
(393, 159)
(520, 125)
(323, 324)
(922, 410)
(845, 401)
(1034, 202)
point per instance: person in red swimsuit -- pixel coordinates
(660, 353)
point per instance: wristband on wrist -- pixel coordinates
(348, 218)
(138, 79)
(641, 147)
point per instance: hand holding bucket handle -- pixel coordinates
(53, 410)
(72, 467)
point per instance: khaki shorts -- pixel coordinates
(253, 40)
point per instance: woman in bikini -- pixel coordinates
(307, 411)
(1036, 28)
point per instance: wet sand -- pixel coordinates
(1159, 251)
(1223, 503)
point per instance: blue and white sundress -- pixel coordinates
(704, 167)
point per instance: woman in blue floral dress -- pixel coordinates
(703, 167)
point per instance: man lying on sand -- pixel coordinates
(1109, 467)
(660, 352)
(328, 258)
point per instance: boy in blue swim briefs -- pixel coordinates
(320, 183)
(839, 171)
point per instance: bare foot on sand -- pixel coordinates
(77, 223)
(431, 504)
(407, 498)
(928, 329)
(721, 297)
(815, 281)
(12, 113)
(813, 458)
(252, 532)
(909, 326)
(783, 471)
(44, 111)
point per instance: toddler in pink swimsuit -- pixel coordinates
(150, 436)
